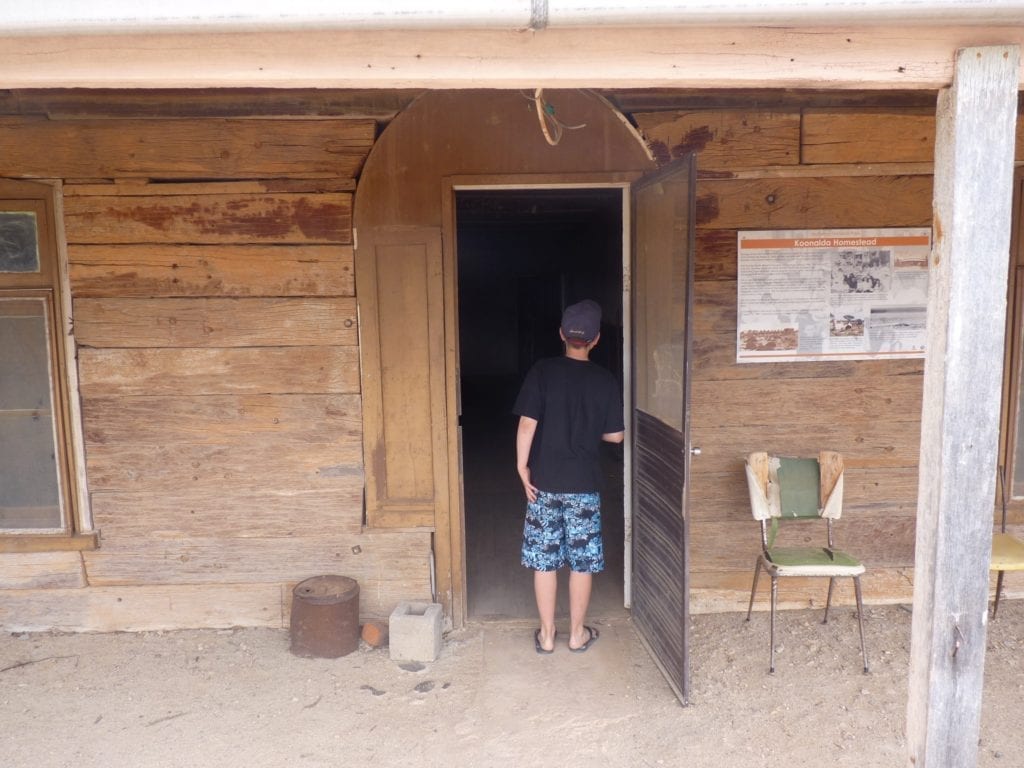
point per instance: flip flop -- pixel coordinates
(590, 640)
(540, 648)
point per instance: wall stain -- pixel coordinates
(158, 217)
(694, 141)
(317, 220)
(660, 151)
(707, 209)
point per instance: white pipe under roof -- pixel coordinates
(77, 17)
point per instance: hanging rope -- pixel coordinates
(550, 126)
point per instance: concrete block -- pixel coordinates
(414, 631)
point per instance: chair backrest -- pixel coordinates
(783, 487)
(799, 488)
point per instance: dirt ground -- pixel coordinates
(240, 698)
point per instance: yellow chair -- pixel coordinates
(1007, 549)
(799, 491)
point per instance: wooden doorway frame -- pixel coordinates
(406, 191)
(450, 532)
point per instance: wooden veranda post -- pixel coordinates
(960, 420)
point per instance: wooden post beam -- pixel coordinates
(888, 56)
(960, 419)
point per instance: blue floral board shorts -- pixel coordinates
(564, 528)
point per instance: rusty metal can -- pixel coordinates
(325, 617)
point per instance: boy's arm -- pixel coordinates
(524, 440)
(614, 418)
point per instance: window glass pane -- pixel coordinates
(662, 214)
(19, 245)
(29, 478)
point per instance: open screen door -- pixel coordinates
(663, 238)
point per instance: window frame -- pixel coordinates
(50, 285)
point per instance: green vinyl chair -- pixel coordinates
(800, 491)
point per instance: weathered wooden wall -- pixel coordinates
(210, 263)
(211, 272)
(799, 168)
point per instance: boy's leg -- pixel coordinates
(585, 555)
(544, 553)
(545, 588)
(579, 600)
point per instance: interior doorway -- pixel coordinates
(523, 254)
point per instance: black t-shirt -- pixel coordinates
(574, 403)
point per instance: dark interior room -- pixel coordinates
(523, 255)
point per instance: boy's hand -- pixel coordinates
(530, 488)
(524, 439)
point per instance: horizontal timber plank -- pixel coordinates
(865, 444)
(313, 103)
(733, 544)
(212, 513)
(714, 254)
(868, 135)
(868, 494)
(204, 322)
(184, 372)
(142, 609)
(875, 56)
(137, 187)
(217, 219)
(41, 570)
(153, 608)
(196, 148)
(270, 464)
(724, 138)
(715, 306)
(713, 358)
(728, 591)
(371, 558)
(208, 270)
(805, 401)
(378, 597)
(779, 99)
(830, 171)
(836, 135)
(217, 419)
(867, 201)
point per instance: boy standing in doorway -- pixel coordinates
(567, 406)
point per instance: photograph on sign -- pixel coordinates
(840, 294)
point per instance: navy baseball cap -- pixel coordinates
(581, 322)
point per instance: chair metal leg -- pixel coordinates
(753, 589)
(828, 600)
(999, 588)
(775, 594)
(860, 621)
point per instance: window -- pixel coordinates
(36, 481)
